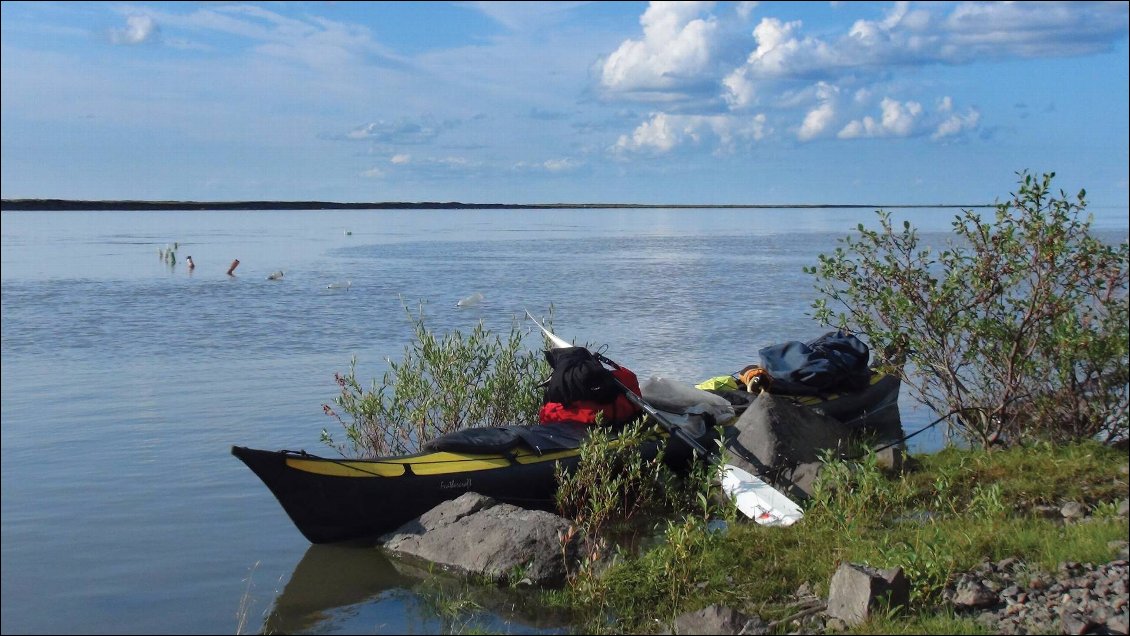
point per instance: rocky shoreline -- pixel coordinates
(1005, 597)
(1009, 596)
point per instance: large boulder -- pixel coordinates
(784, 442)
(477, 535)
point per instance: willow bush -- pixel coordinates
(444, 383)
(1017, 327)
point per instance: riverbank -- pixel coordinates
(62, 205)
(1042, 529)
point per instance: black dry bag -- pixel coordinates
(578, 376)
(834, 362)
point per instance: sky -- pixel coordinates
(528, 102)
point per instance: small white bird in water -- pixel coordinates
(344, 285)
(275, 276)
(473, 299)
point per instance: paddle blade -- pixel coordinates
(758, 500)
(558, 343)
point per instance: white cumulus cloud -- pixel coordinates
(664, 131)
(897, 120)
(138, 29)
(744, 9)
(912, 34)
(822, 117)
(956, 124)
(675, 50)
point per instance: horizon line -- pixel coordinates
(136, 205)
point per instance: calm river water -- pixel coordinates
(126, 381)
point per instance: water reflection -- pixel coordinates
(354, 588)
(327, 579)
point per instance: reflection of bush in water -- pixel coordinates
(327, 578)
(331, 579)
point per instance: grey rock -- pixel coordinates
(1118, 623)
(973, 594)
(892, 459)
(1075, 623)
(719, 619)
(778, 437)
(1073, 511)
(856, 590)
(1077, 598)
(477, 535)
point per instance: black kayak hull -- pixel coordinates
(334, 500)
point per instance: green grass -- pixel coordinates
(939, 623)
(980, 505)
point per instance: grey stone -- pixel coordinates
(477, 535)
(775, 436)
(1118, 623)
(891, 459)
(1075, 623)
(1073, 510)
(719, 619)
(995, 586)
(856, 590)
(973, 594)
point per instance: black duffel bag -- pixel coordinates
(833, 363)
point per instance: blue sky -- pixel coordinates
(625, 102)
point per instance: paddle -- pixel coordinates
(755, 498)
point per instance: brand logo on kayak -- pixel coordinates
(452, 485)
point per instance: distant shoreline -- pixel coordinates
(61, 205)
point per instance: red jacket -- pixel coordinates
(618, 411)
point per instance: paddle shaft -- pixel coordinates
(650, 410)
(631, 395)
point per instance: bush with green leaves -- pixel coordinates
(1017, 327)
(613, 482)
(444, 383)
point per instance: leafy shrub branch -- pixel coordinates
(1018, 326)
(443, 383)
